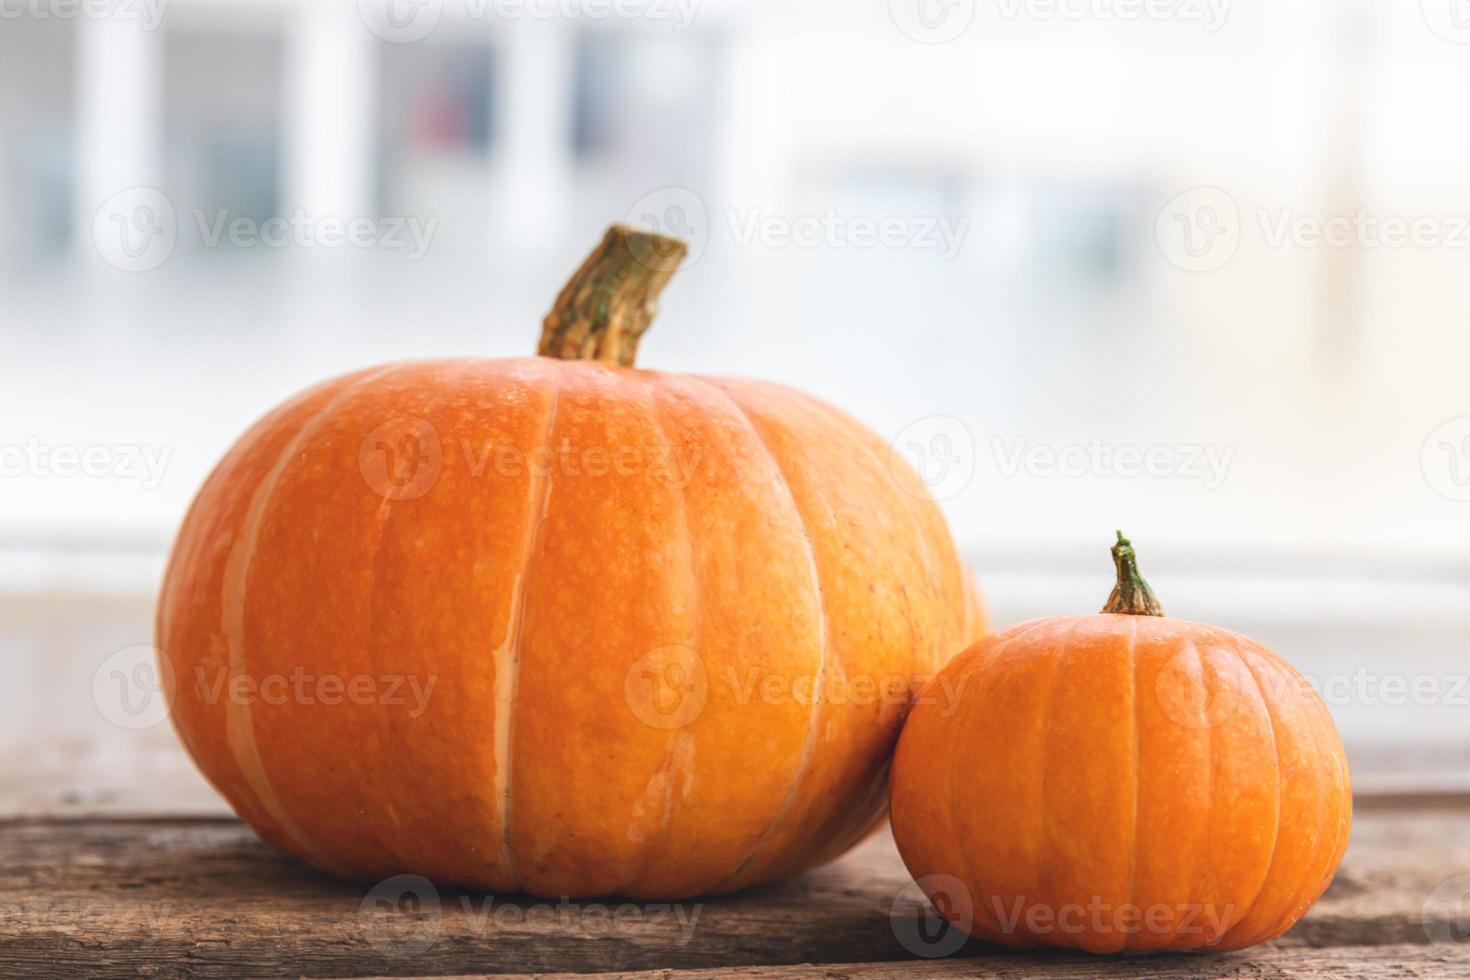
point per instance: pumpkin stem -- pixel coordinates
(1131, 596)
(609, 302)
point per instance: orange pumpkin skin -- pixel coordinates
(1121, 782)
(588, 533)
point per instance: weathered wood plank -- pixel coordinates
(1337, 963)
(205, 898)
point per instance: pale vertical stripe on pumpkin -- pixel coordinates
(931, 570)
(1196, 877)
(239, 725)
(1300, 898)
(1201, 861)
(507, 658)
(680, 747)
(1271, 729)
(924, 513)
(176, 595)
(958, 832)
(808, 746)
(1048, 752)
(1133, 710)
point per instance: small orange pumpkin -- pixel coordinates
(556, 624)
(1121, 781)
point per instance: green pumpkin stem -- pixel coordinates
(1131, 596)
(603, 311)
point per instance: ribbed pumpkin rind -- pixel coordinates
(759, 528)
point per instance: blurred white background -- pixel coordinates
(1196, 269)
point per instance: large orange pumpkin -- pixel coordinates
(556, 624)
(1121, 781)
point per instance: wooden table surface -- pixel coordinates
(116, 858)
(160, 895)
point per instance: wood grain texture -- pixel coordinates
(1339, 963)
(174, 897)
